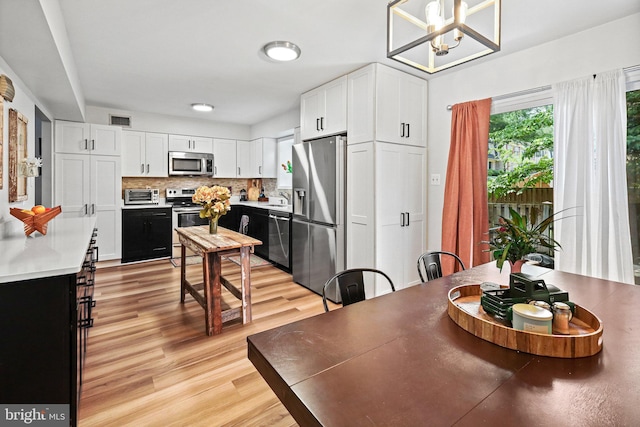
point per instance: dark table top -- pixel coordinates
(400, 360)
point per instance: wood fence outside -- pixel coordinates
(540, 198)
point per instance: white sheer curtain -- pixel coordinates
(590, 131)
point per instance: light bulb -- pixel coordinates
(432, 12)
(463, 12)
(457, 34)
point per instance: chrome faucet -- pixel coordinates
(286, 196)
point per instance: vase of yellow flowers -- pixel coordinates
(215, 202)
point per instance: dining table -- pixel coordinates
(400, 360)
(208, 293)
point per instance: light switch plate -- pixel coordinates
(435, 179)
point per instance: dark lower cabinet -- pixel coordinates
(258, 229)
(44, 324)
(231, 219)
(146, 234)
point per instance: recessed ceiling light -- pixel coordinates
(282, 51)
(202, 107)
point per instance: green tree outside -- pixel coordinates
(521, 144)
(633, 139)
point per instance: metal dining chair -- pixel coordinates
(351, 285)
(429, 263)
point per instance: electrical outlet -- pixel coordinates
(435, 179)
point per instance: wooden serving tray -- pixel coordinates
(584, 339)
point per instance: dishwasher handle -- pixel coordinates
(281, 218)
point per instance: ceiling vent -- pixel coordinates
(120, 121)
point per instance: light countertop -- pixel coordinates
(62, 251)
(275, 205)
(162, 204)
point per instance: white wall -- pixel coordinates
(278, 126)
(151, 122)
(607, 47)
(25, 103)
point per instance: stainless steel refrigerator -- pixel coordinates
(318, 237)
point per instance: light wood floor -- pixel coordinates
(149, 362)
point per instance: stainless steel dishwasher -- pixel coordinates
(279, 242)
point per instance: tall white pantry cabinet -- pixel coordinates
(386, 173)
(88, 181)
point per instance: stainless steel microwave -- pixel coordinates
(142, 196)
(187, 163)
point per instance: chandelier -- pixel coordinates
(422, 35)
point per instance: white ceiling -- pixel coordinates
(159, 56)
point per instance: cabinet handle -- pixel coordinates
(408, 129)
(147, 167)
(321, 123)
(86, 144)
(93, 208)
(259, 170)
(86, 208)
(238, 171)
(407, 219)
(318, 124)
(402, 219)
(401, 130)
(141, 167)
(93, 144)
(215, 170)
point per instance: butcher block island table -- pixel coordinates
(211, 247)
(400, 360)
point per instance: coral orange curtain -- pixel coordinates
(465, 215)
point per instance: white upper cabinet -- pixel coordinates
(195, 144)
(145, 154)
(256, 158)
(323, 111)
(224, 158)
(85, 138)
(266, 157)
(246, 159)
(386, 105)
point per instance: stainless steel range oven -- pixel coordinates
(184, 213)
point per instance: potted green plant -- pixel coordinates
(518, 236)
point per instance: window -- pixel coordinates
(285, 146)
(633, 175)
(520, 163)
